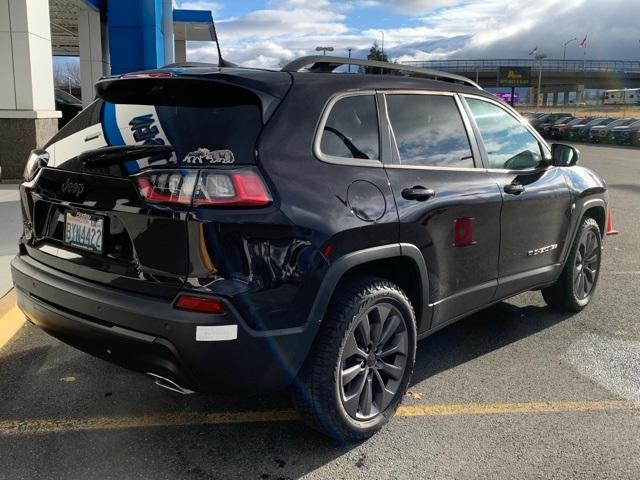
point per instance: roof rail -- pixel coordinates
(322, 63)
(222, 63)
(189, 65)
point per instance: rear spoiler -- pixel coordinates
(200, 89)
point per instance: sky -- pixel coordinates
(268, 33)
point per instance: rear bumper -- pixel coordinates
(147, 334)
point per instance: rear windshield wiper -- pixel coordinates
(105, 156)
(355, 151)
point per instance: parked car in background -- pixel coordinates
(626, 135)
(600, 133)
(548, 117)
(561, 130)
(69, 105)
(545, 127)
(532, 116)
(580, 132)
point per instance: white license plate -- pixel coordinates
(84, 231)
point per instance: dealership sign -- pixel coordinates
(514, 76)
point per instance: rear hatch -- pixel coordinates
(92, 211)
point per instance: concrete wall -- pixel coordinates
(27, 107)
(19, 136)
(94, 51)
(26, 72)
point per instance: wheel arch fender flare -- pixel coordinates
(589, 204)
(348, 262)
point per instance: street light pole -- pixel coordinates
(564, 52)
(324, 50)
(540, 57)
(382, 46)
(349, 68)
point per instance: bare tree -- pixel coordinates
(66, 76)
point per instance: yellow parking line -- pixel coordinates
(502, 408)
(11, 318)
(181, 419)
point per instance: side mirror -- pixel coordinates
(564, 155)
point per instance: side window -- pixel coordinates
(507, 142)
(351, 130)
(429, 130)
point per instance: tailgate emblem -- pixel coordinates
(72, 187)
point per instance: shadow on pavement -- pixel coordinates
(479, 334)
(42, 378)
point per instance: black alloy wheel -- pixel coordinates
(373, 361)
(587, 264)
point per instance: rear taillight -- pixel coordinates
(219, 188)
(37, 160)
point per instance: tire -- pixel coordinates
(577, 283)
(337, 368)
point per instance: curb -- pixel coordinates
(11, 318)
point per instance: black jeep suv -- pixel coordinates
(241, 230)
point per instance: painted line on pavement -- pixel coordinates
(11, 318)
(182, 419)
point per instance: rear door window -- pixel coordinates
(351, 129)
(429, 130)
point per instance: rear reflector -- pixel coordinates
(213, 188)
(199, 304)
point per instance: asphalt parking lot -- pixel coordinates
(516, 391)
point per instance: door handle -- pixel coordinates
(418, 193)
(514, 189)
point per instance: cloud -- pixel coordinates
(451, 29)
(200, 5)
(415, 7)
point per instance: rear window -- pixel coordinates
(351, 129)
(207, 122)
(200, 135)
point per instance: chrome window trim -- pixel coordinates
(544, 147)
(478, 167)
(354, 162)
(425, 167)
(409, 91)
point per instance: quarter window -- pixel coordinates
(351, 130)
(507, 142)
(429, 130)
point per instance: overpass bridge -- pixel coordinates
(558, 76)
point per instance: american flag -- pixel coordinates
(583, 43)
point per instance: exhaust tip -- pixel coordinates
(169, 384)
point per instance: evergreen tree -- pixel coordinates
(375, 54)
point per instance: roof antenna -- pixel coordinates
(221, 61)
